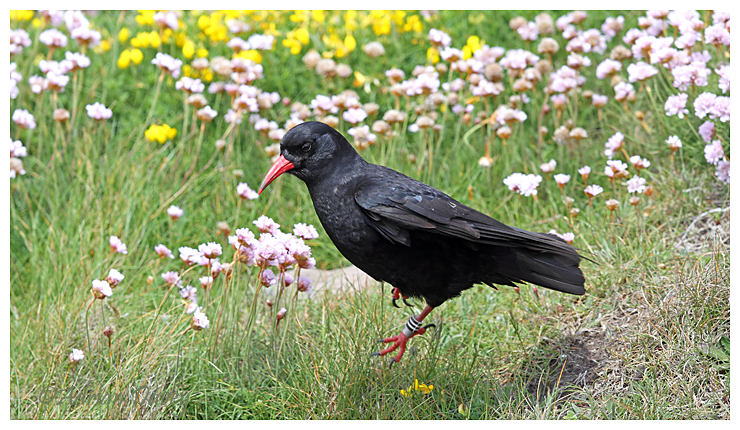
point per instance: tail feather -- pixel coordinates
(556, 271)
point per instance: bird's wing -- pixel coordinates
(395, 207)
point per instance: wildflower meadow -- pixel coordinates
(149, 280)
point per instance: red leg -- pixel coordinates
(397, 295)
(413, 327)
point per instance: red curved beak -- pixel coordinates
(281, 166)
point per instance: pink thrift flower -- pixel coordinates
(674, 143)
(561, 179)
(584, 172)
(268, 278)
(636, 185)
(568, 237)
(169, 64)
(98, 111)
(593, 190)
(641, 71)
(243, 191)
(210, 249)
(171, 278)
(167, 20)
(304, 284)
(262, 42)
(676, 105)
(189, 293)
(707, 131)
(721, 109)
(53, 38)
(354, 115)
(189, 255)
(599, 101)
(714, 152)
(723, 171)
(206, 282)
(703, 104)
(266, 225)
(549, 166)
(199, 321)
(23, 119)
(717, 34)
(307, 232)
(614, 144)
(101, 289)
(190, 85)
(439, 37)
(163, 251)
(608, 68)
(76, 356)
(215, 268)
(117, 246)
(174, 212)
(724, 77)
(525, 185)
(639, 162)
(114, 278)
(624, 91)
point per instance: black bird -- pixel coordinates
(418, 239)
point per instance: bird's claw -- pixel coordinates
(396, 296)
(429, 326)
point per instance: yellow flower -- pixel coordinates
(423, 388)
(36, 23)
(160, 133)
(467, 53)
(433, 55)
(350, 43)
(145, 17)
(104, 46)
(188, 50)
(187, 71)
(413, 23)
(154, 39)
(318, 15)
(141, 40)
(123, 35)
(302, 35)
(21, 15)
(207, 75)
(202, 53)
(398, 17)
(252, 54)
(136, 56)
(171, 133)
(382, 26)
(299, 16)
(350, 20)
(474, 43)
(204, 22)
(124, 59)
(294, 45)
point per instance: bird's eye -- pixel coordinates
(306, 147)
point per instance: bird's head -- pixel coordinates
(309, 150)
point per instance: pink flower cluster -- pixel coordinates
(525, 185)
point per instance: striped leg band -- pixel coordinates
(412, 326)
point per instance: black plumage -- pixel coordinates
(404, 232)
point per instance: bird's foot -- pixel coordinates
(397, 295)
(413, 328)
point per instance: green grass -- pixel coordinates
(657, 316)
